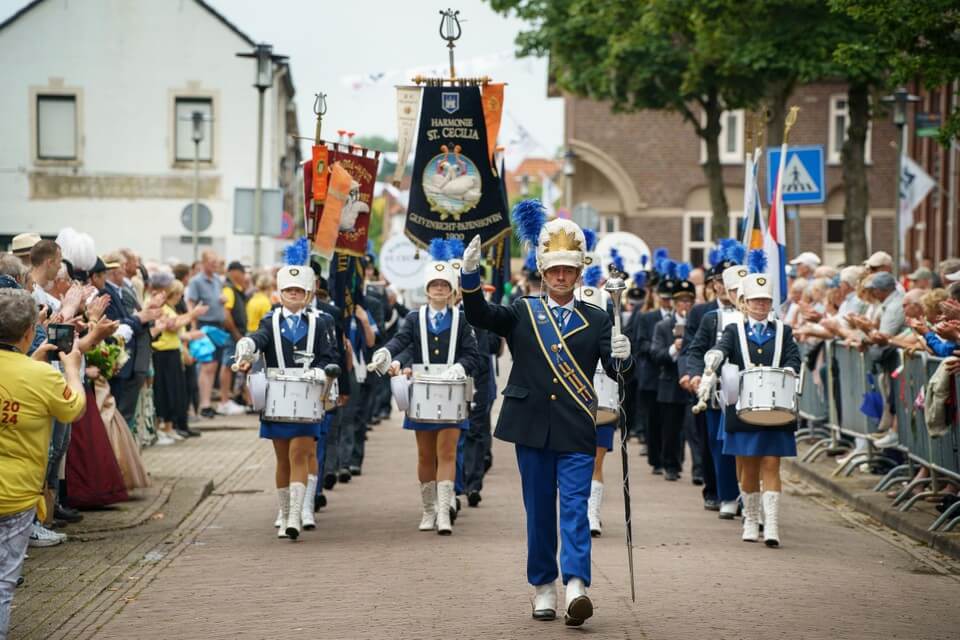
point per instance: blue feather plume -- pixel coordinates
(456, 248)
(617, 260)
(644, 259)
(592, 276)
(734, 251)
(530, 262)
(439, 249)
(640, 279)
(297, 252)
(715, 257)
(528, 218)
(757, 261)
(591, 237)
(660, 253)
(683, 271)
(669, 269)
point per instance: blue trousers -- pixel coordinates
(542, 474)
(725, 466)
(322, 448)
(458, 478)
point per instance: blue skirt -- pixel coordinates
(605, 436)
(288, 430)
(760, 443)
(415, 425)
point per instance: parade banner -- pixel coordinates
(454, 192)
(361, 164)
(492, 113)
(319, 154)
(408, 106)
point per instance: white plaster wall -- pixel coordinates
(127, 56)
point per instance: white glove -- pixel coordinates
(471, 256)
(124, 331)
(712, 360)
(456, 371)
(246, 350)
(380, 361)
(620, 347)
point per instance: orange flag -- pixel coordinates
(328, 229)
(320, 174)
(492, 112)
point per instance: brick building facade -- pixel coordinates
(643, 173)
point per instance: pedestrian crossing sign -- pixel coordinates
(803, 179)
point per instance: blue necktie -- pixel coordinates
(561, 315)
(293, 322)
(437, 319)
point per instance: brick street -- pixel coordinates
(366, 572)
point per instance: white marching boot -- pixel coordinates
(545, 602)
(593, 507)
(428, 494)
(283, 495)
(579, 606)
(444, 492)
(279, 521)
(728, 509)
(295, 516)
(751, 517)
(308, 500)
(771, 526)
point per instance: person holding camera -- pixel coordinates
(32, 395)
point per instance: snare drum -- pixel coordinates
(768, 396)
(436, 400)
(608, 397)
(294, 395)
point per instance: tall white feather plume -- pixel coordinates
(78, 248)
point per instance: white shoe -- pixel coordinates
(309, 497)
(728, 509)
(579, 606)
(593, 507)
(892, 439)
(444, 492)
(279, 521)
(428, 494)
(176, 436)
(751, 517)
(295, 516)
(771, 528)
(283, 496)
(230, 408)
(545, 602)
(164, 439)
(43, 537)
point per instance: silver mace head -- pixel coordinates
(615, 286)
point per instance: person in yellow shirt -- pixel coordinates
(259, 303)
(32, 394)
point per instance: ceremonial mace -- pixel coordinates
(615, 286)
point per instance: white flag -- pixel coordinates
(549, 194)
(915, 184)
(408, 108)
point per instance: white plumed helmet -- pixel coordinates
(757, 285)
(299, 276)
(561, 243)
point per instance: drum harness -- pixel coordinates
(777, 348)
(278, 345)
(454, 331)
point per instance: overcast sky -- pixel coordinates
(340, 48)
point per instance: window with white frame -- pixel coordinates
(609, 223)
(183, 123)
(730, 140)
(56, 127)
(839, 122)
(696, 237)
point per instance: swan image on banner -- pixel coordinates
(451, 183)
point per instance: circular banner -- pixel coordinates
(631, 247)
(399, 264)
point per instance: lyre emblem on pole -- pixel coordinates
(450, 31)
(319, 109)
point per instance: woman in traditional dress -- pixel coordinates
(759, 448)
(437, 334)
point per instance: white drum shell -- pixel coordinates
(768, 396)
(608, 397)
(294, 395)
(257, 384)
(435, 400)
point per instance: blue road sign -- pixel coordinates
(803, 179)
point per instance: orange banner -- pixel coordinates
(492, 112)
(328, 228)
(320, 174)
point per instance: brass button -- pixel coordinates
(436, 351)
(554, 348)
(759, 350)
(436, 338)
(555, 381)
(553, 396)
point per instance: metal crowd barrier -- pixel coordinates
(831, 416)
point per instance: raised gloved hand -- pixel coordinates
(380, 362)
(471, 255)
(620, 347)
(455, 372)
(244, 354)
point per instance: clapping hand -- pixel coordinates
(951, 309)
(97, 307)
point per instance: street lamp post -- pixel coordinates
(899, 100)
(197, 136)
(265, 58)
(569, 169)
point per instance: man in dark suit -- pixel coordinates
(648, 373)
(672, 399)
(549, 407)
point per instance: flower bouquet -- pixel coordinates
(109, 357)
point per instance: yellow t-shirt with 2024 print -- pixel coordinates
(32, 394)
